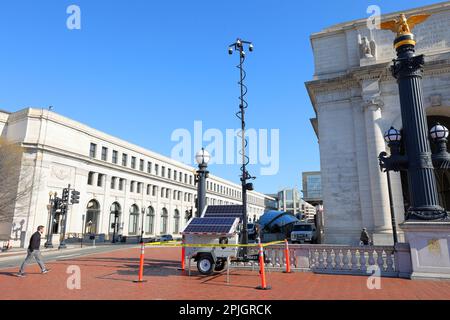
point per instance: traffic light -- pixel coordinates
(65, 195)
(75, 197)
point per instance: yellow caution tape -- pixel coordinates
(175, 244)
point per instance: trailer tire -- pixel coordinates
(205, 264)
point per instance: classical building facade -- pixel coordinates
(355, 98)
(148, 190)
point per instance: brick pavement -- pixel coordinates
(110, 275)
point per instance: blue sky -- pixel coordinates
(139, 69)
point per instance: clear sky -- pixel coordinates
(139, 69)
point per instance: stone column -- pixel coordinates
(382, 231)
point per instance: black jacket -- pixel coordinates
(35, 241)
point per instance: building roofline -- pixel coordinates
(433, 8)
(95, 133)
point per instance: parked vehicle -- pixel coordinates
(164, 238)
(304, 232)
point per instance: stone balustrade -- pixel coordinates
(339, 259)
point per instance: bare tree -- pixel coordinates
(15, 185)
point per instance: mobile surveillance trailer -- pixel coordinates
(218, 225)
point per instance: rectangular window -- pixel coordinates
(169, 173)
(121, 182)
(154, 191)
(114, 157)
(185, 178)
(156, 169)
(139, 187)
(141, 165)
(132, 186)
(100, 180)
(113, 183)
(133, 162)
(190, 179)
(163, 171)
(149, 167)
(93, 150)
(124, 159)
(104, 153)
(90, 178)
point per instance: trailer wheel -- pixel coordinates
(205, 265)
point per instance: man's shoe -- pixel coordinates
(45, 271)
(20, 275)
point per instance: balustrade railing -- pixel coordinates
(331, 259)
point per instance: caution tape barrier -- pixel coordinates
(175, 244)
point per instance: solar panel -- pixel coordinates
(212, 221)
(207, 229)
(222, 225)
(224, 211)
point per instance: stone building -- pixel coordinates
(111, 175)
(356, 100)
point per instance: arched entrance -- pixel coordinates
(92, 217)
(134, 217)
(164, 220)
(115, 216)
(149, 226)
(176, 221)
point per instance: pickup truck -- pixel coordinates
(304, 232)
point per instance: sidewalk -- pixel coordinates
(16, 252)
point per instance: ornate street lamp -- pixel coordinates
(52, 201)
(393, 138)
(441, 158)
(114, 209)
(245, 176)
(408, 70)
(202, 157)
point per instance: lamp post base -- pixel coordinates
(429, 242)
(434, 213)
(62, 246)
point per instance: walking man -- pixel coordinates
(365, 239)
(34, 252)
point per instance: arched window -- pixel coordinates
(164, 220)
(176, 218)
(92, 217)
(150, 220)
(134, 217)
(114, 219)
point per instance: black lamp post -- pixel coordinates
(142, 225)
(52, 200)
(115, 210)
(393, 138)
(408, 70)
(202, 157)
(245, 177)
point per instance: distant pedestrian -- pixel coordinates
(34, 252)
(365, 239)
